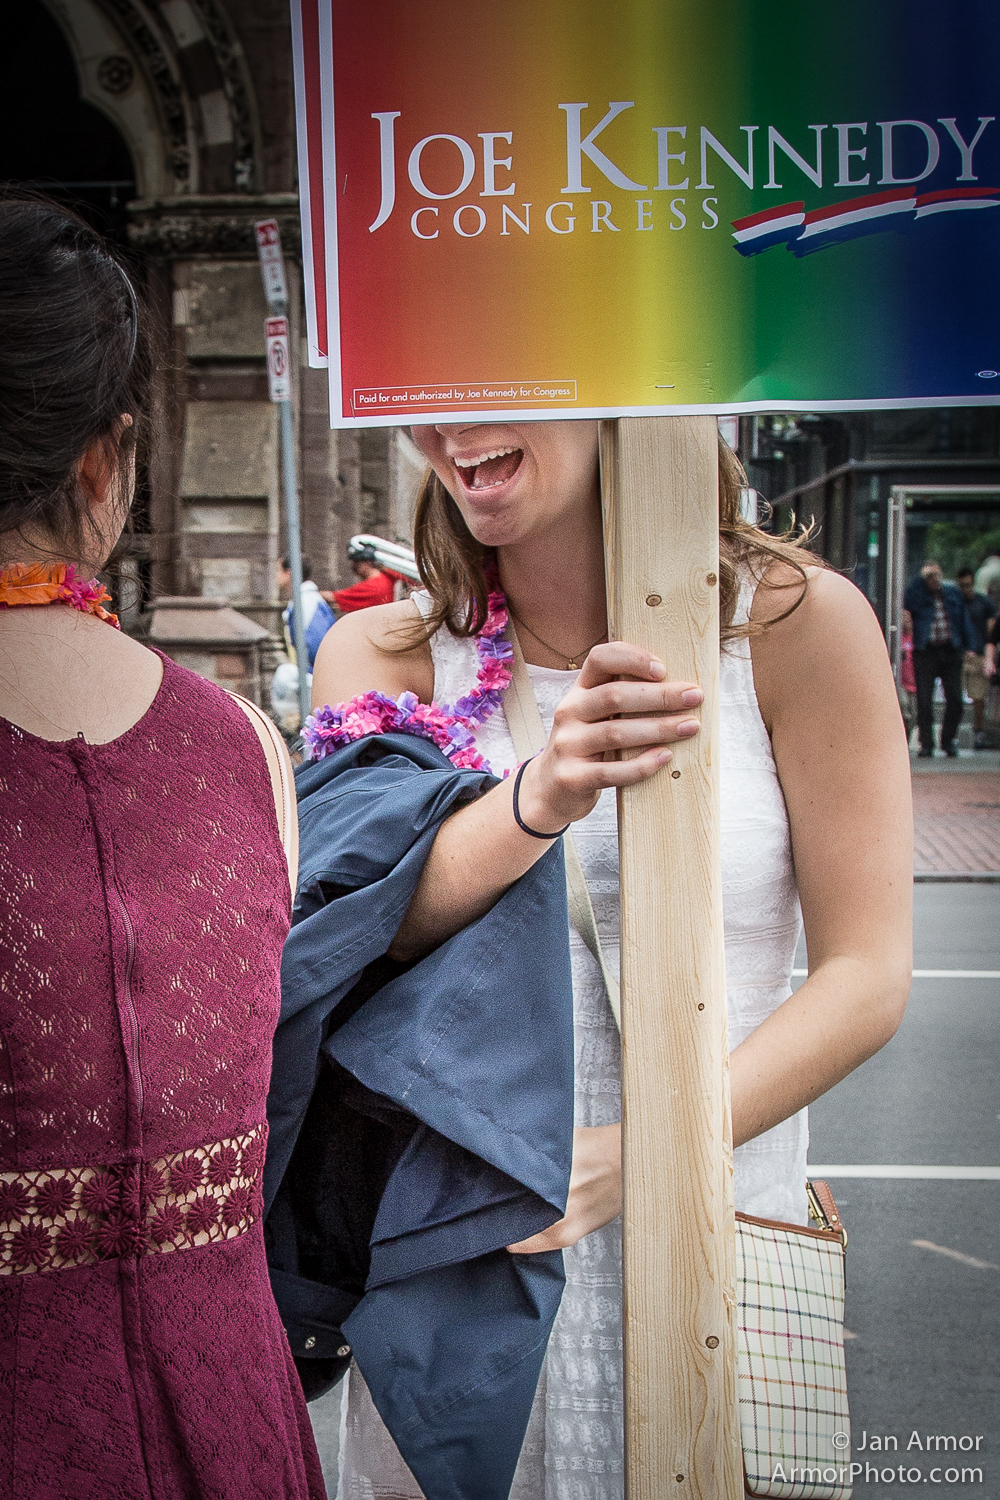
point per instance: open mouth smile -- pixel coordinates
(488, 470)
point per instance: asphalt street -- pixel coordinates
(923, 1265)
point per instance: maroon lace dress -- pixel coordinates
(143, 906)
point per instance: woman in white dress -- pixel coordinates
(815, 811)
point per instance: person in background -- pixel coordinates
(990, 653)
(982, 611)
(375, 585)
(145, 900)
(942, 631)
(991, 674)
(988, 578)
(317, 614)
(907, 679)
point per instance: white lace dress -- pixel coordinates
(573, 1447)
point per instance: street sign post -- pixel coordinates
(654, 214)
(279, 380)
(272, 263)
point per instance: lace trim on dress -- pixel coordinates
(54, 1218)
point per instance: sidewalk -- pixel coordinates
(956, 816)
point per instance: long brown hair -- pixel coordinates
(452, 563)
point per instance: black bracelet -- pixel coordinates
(517, 811)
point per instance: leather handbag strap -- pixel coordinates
(528, 733)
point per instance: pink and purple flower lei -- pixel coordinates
(448, 727)
(87, 595)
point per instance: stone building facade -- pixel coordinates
(190, 107)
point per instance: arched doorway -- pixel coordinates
(53, 140)
(57, 143)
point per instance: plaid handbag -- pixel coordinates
(790, 1371)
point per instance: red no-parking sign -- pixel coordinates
(279, 382)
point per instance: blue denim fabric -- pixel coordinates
(421, 1119)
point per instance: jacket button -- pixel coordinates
(344, 1350)
(311, 1342)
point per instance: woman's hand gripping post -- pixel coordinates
(619, 703)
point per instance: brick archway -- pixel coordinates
(172, 78)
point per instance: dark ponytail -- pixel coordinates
(73, 360)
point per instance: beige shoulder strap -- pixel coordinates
(528, 733)
(280, 767)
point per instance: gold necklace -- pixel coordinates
(572, 665)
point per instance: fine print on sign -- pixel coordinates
(660, 207)
(460, 397)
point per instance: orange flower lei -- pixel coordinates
(53, 583)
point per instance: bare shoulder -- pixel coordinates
(374, 627)
(368, 651)
(823, 600)
(828, 646)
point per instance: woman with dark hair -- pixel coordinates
(145, 899)
(815, 811)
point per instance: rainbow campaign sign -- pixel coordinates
(567, 208)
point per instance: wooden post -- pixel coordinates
(660, 487)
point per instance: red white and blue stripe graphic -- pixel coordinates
(955, 198)
(803, 232)
(772, 226)
(858, 214)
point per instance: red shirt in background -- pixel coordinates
(379, 589)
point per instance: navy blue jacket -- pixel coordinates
(421, 1119)
(919, 600)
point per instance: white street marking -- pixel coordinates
(932, 973)
(955, 1174)
(967, 1260)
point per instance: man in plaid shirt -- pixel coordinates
(943, 638)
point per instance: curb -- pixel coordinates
(952, 877)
